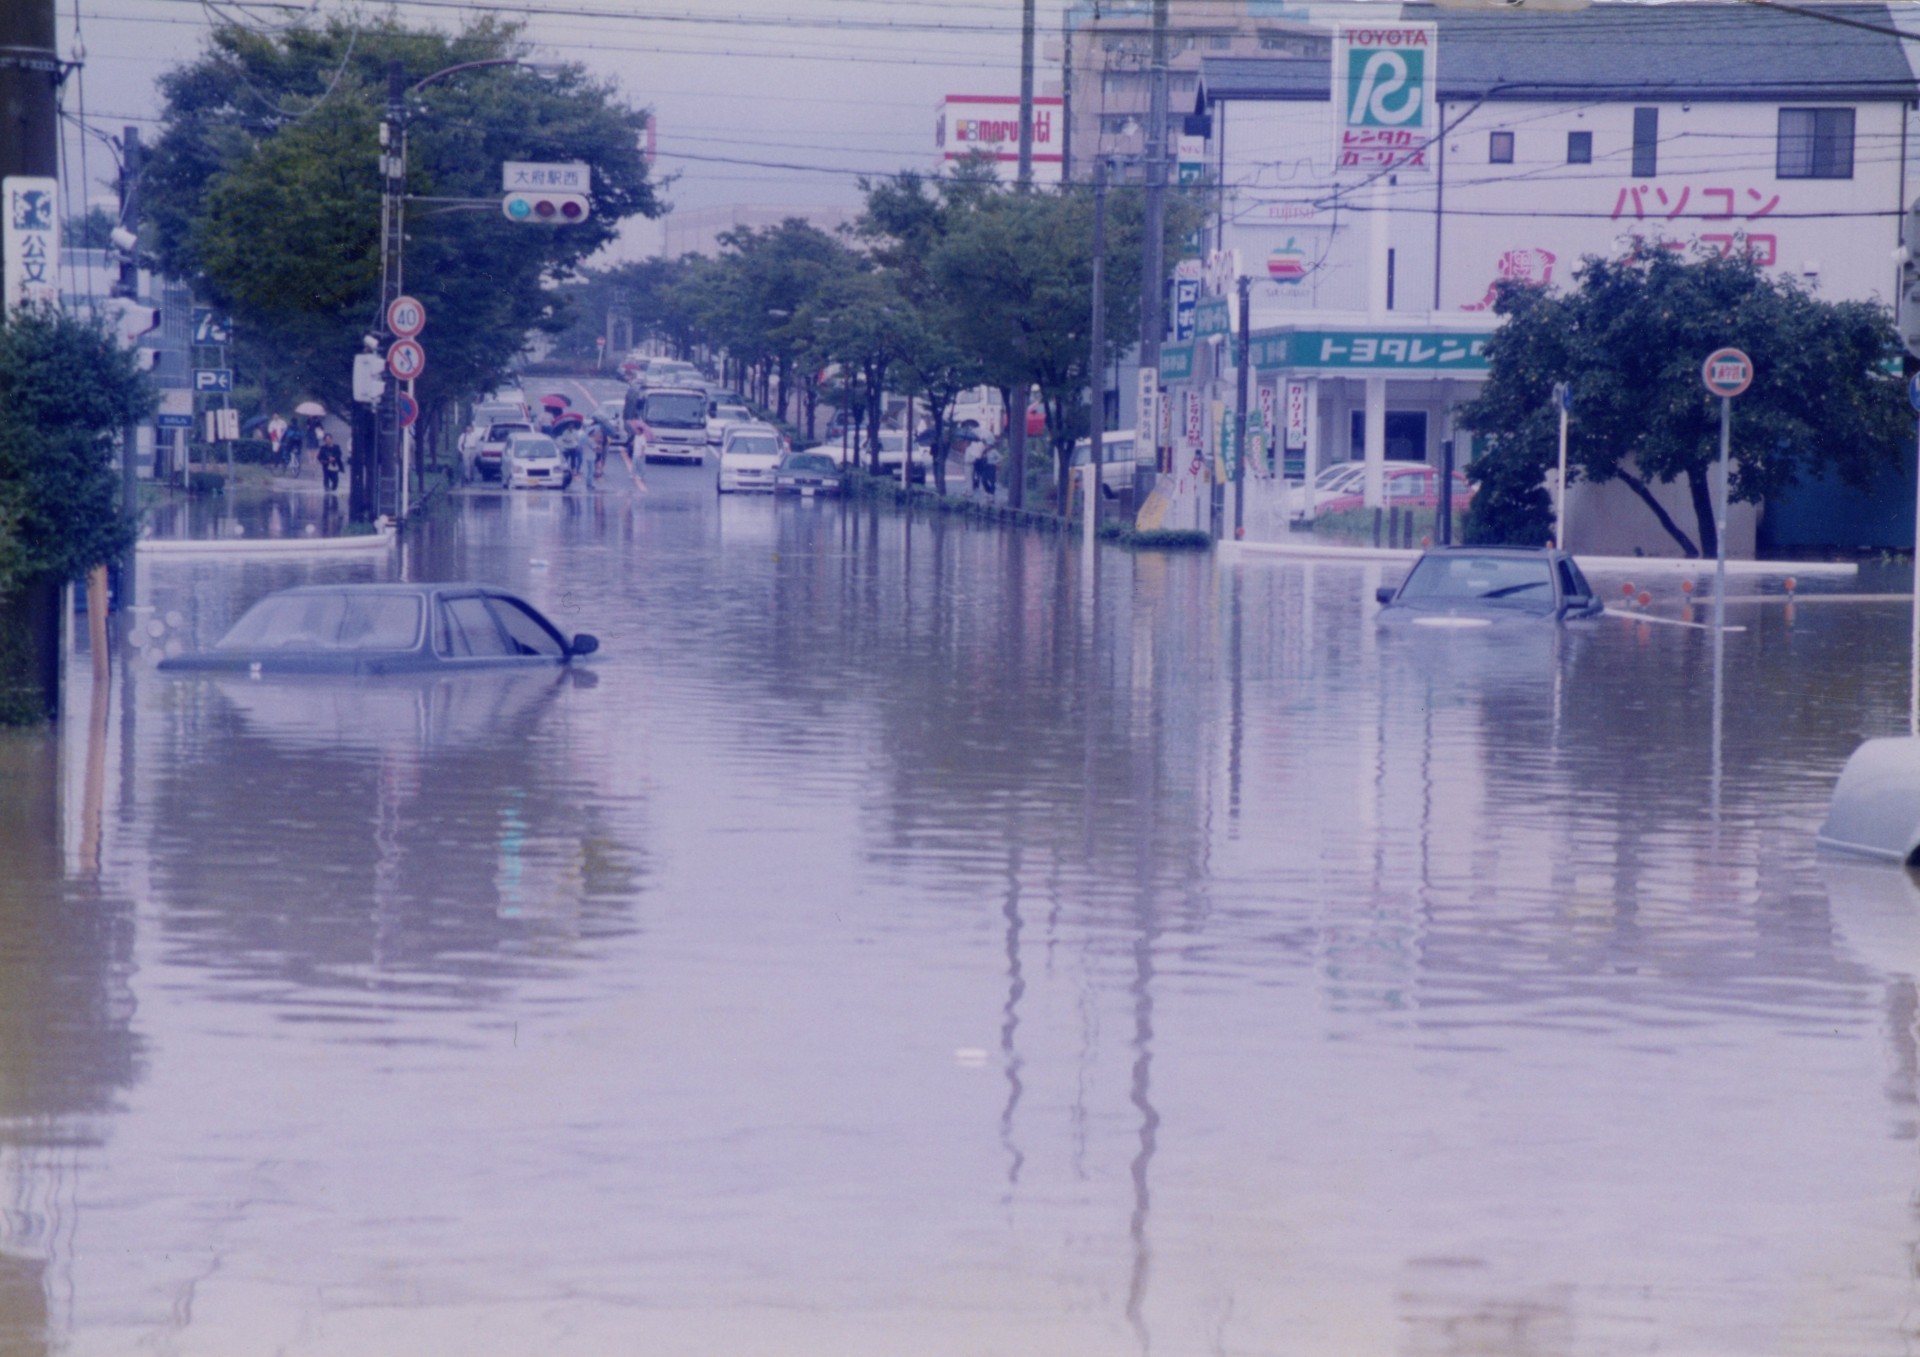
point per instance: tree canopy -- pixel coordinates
(263, 189)
(1630, 341)
(66, 389)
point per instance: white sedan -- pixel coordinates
(749, 454)
(533, 460)
(724, 417)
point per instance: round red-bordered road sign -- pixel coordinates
(406, 360)
(408, 409)
(1727, 372)
(406, 316)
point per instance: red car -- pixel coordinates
(1405, 488)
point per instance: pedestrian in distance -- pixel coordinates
(989, 468)
(330, 462)
(276, 430)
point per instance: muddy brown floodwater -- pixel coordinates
(896, 942)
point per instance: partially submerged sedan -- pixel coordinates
(385, 629)
(1470, 587)
(807, 473)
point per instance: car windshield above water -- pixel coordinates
(324, 620)
(1522, 583)
(810, 462)
(753, 445)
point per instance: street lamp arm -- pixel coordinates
(467, 66)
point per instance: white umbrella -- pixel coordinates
(314, 408)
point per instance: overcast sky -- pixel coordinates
(813, 92)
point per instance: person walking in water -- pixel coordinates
(330, 462)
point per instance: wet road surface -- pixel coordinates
(895, 941)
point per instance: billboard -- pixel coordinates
(1383, 98)
(989, 124)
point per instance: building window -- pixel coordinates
(1500, 148)
(1219, 42)
(1579, 148)
(1815, 143)
(1646, 142)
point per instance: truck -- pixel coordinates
(669, 423)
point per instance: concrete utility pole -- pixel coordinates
(1242, 365)
(1153, 264)
(1026, 95)
(128, 285)
(30, 75)
(1097, 359)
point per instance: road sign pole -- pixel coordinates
(1913, 693)
(1720, 520)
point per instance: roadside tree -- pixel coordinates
(66, 388)
(262, 188)
(1631, 339)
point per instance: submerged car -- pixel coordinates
(748, 457)
(1467, 587)
(535, 461)
(385, 629)
(807, 473)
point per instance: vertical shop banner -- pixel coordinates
(1383, 98)
(1296, 416)
(1269, 424)
(30, 240)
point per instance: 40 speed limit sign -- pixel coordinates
(406, 317)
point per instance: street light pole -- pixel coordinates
(1241, 364)
(1097, 359)
(1153, 266)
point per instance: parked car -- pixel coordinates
(893, 452)
(534, 461)
(748, 456)
(1415, 486)
(721, 417)
(1466, 587)
(1116, 464)
(483, 460)
(385, 628)
(1350, 478)
(806, 474)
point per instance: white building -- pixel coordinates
(1728, 127)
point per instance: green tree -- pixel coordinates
(1630, 339)
(66, 388)
(263, 188)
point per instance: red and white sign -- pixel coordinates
(406, 360)
(1727, 372)
(1266, 420)
(406, 317)
(1196, 430)
(989, 124)
(1296, 415)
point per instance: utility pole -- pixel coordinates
(1153, 264)
(1066, 95)
(1242, 363)
(1026, 95)
(30, 75)
(367, 493)
(1097, 359)
(128, 285)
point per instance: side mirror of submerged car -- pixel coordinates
(1385, 593)
(583, 644)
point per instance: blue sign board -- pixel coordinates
(209, 328)
(173, 421)
(213, 379)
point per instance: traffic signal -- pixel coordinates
(547, 209)
(1907, 305)
(131, 319)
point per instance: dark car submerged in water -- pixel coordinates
(1472, 587)
(386, 629)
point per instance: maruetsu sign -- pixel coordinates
(1383, 97)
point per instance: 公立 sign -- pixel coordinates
(1383, 97)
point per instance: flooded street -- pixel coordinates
(894, 941)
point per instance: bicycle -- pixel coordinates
(294, 460)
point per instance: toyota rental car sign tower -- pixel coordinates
(1383, 97)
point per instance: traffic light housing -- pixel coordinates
(130, 319)
(1907, 305)
(546, 209)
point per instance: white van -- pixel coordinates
(1116, 464)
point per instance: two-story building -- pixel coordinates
(1556, 135)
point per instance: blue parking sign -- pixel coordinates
(213, 379)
